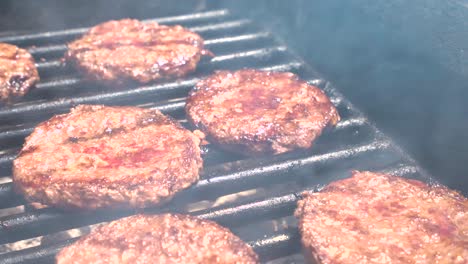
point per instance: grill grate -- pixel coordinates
(258, 196)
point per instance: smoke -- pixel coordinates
(404, 63)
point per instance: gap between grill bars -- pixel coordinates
(245, 195)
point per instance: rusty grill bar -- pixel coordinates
(267, 188)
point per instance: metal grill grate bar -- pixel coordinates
(102, 98)
(286, 171)
(278, 166)
(49, 36)
(61, 48)
(8, 157)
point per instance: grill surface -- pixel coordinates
(253, 197)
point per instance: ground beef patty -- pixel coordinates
(251, 111)
(159, 239)
(98, 156)
(378, 218)
(18, 74)
(127, 49)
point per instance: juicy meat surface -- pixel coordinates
(98, 156)
(127, 49)
(164, 238)
(256, 112)
(18, 73)
(378, 218)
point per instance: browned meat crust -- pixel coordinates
(159, 239)
(18, 74)
(98, 156)
(251, 111)
(117, 51)
(378, 218)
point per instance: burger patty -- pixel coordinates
(159, 239)
(378, 218)
(251, 111)
(117, 51)
(98, 156)
(18, 74)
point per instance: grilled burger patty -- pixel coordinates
(98, 156)
(116, 51)
(159, 239)
(18, 74)
(378, 218)
(251, 111)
